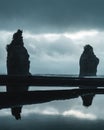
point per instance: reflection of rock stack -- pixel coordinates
(17, 64)
(88, 67)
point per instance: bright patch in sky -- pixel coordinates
(49, 37)
(52, 36)
(79, 114)
(49, 110)
(81, 34)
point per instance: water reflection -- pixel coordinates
(88, 67)
(16, 112)
(87, 99)
(17, 99)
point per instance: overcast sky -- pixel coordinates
(55, 32)
(52, 15)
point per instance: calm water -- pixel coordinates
(61, 114)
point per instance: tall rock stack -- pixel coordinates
(17, 64)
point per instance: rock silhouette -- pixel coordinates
(17, 64)
(88, 67)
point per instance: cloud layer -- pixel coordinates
(55, 53)
(51, 15)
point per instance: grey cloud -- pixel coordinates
(52, 15)
(60, 56)
(61, 46)
(45, 56)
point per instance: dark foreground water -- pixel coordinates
(55, 115)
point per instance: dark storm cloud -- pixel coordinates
(51, 15)
(44, 122)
